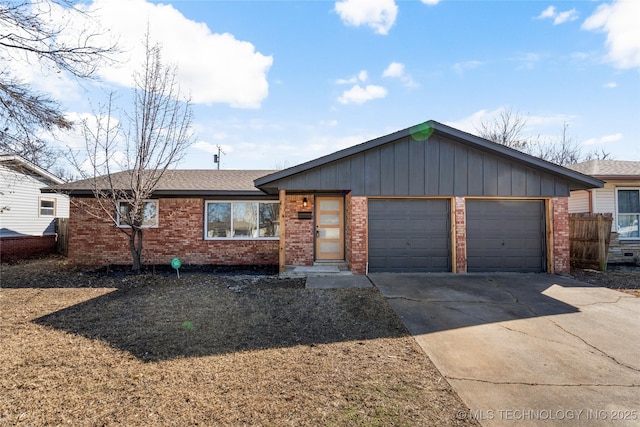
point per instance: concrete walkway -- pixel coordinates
(338, 282)
(526, 349)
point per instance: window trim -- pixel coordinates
(617, 213)
(47, 199)
(239, 238)
(157, 222)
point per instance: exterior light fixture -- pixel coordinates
(304, 202)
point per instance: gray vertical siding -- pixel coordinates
(435, 167)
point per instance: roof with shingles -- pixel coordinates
(608, 168)
(179, 182)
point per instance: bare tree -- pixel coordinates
(29, 34)
(506, 130)
(564, 152)
(600, 154)
(156, 137)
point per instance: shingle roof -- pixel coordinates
(180, 182)
(608, 168)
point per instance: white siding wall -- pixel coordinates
(604, 201)
(579, 201)
(20, 204)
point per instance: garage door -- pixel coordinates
(505, 235)
(409, 235)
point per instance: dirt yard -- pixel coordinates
(81, 348)
(623, 278)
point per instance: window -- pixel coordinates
(150, 214)
(47, 206)
(628, 213)
(242, 220)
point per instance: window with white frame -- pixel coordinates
(149, 214)
(242, 220)
(628, 215)
(47, 206)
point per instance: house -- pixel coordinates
(427, 198)
(26, 215)
(620, 197)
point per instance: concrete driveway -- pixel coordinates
(526, 349)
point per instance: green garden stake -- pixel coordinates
(176, 263)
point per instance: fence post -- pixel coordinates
(62, 231)
(602, 248)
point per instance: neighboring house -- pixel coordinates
(427, 198)
(620, 197)
(26, 216)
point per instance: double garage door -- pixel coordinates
(414, 235)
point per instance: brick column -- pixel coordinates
(460, 234)
(356, 233)
(299, 233)
(561, 254)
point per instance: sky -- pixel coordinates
(278, 83)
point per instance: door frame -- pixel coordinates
(340, 255)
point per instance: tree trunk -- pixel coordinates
(135, 245)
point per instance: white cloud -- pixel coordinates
(603, 140)
(558, 17)
(395, 69)
(212, 148)
(610, 85)
(380, 15)
(566, 16)
(549, 12)
(350, 81)
(430, 2)
(620, 21)
(362, 76)
(461, 67)
(359, 95)
(212, 67)
(471, 122)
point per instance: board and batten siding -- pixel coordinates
(20, 204)
(435, 167)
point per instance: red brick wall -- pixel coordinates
(179, 234)
(299, 233)
(460, 236)
(356, 233)
(22, 247)
(561, 254)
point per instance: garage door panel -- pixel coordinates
(505, 235)
(409, 235)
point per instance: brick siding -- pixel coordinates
(299, 233)
(356, 233)
(561, 251)
(23, 247)
(179, 233)
(460, 235)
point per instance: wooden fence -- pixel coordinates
(62, 231)
(589, 237)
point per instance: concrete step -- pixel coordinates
(315, 271)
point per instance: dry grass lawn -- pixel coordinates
(85, 349)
